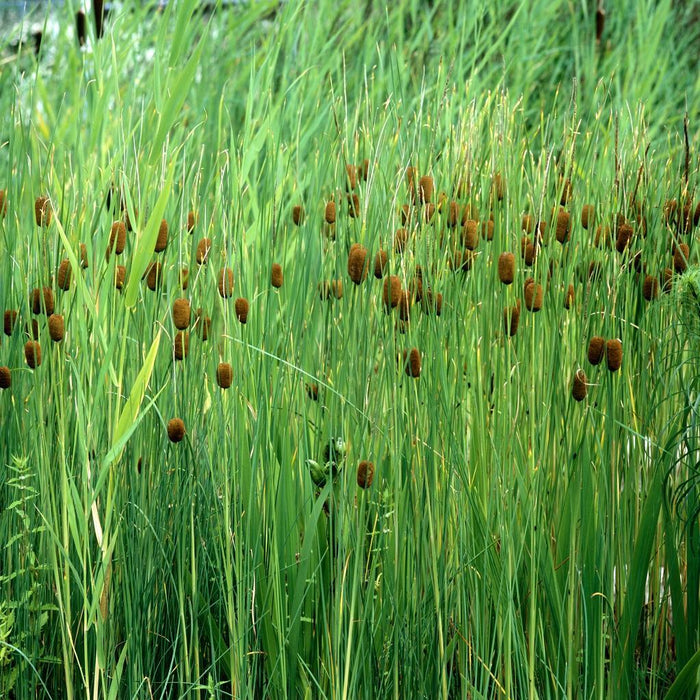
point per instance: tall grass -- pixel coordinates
(515, 541)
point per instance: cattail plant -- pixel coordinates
(225, 282)
(181, 345)
(506, 268)
(181, 313)
(599, 23)
(667, 280)
(650, 288)
(337, 288)
(470, 234)
(431, 303)
(162, 239)
(563, 226)
(411, 178)
(580, 385)
(498, 187)
(176, 429)
(42, 211)
(453, 215)
(425, 189)
(276, 277)
(412, 362)
(191, 220)
(624, 236)
(32, 353)
(596, 349)
(203, 248)
(404, 306)
(527, 223)
(357, 263)
(42, 300)
(530, 254)
(587, 215)
(364, 169)
(298, 214)
(83, 256)
(566, 190)
(353, 205)
(324, 290)
(31, 329)
(533, 295)
(224, 375)
(400, 240)
(56, 327)
(569, 297)
(680, 258)
(5, 377)
(154, 276)
(64, 274)
(330, 212)
(3, 203)
(117, 239)
(392, 292)
(487, 229)
(603, 236)
(241, 307)
(365, 474)
(9, 320)
(380, 263)
(405, 215)
(119, 276)
(613, 354)
(351, 177)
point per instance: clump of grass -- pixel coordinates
(225, 282)
(56, 327)
(431, 303)
(242, 308)
(506, 268)
(32, 353)
(579, 388)
(276, 276)
(358, 266)
(613, 354)
(5, 377)
(181, 313)
(365, 474)
(176, 430)
(202, 253)
(596, 349)
(224, 375)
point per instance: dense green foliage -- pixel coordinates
(532, 526)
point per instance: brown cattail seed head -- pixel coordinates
(64, 275)
(569, 297)
(487, 229)
(119, 276)
(425, 191)
(83, 256)
(599, 23)
(337, 289)
(154, 276)
(42, 300)
(330, 213)
(453, 215)
(184, 276)
(5, 376)
(351, 173)
(203, 248)
(613, 354)
(191, 221)
(587, 215)
(225, 283)
(506, 268)
(32, 329)
(42, 211)
(181, 313)
(117, 238)
(667, 280)
(357, 263)
(181, 345)
(56, 327)
(242, 309)
(624, 236)
(298, 214)
(400, 240)
(176, 429)
(530, 254)
(9, 319)
(596, 349)
(533, 295)
(380, 263)
(404, 306)
(470, 234)
(365, 474)
(162, 240)
(353, 206)
(511, 320)
(563, 226)
(680, 258)
(224, 375)
(565, 191)
(650, 288)
(32, 353)
(3, 202)
(528, 223)
(580, 386)
(276, 278)
(412, 362)
(392, 292)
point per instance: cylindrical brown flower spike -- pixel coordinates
(224, 375)
(83, 256)
(5, 378)
(181, 313)
(613, 354)
(42, 211)
(487, 229)
(330, 212)
(351, 172)
(624, 236)
(498, 187)
(596, 349)
(298, 214)
(119, 276)
(365, 474)
(667, 280)
(528, 223)
(225, 283)
(400, 240)
(569, 297)
(176, 430)
(511, 320)
(191, 221)
(117, 238)
(580, 385)
(57, 327)
(277, 278)
(181, 346)
(680, 258)
(380, 263)
(357, 263)
(64, 275)
(242, 310)
(506, 268)
(453, 215)
(404, 306)
(337, 288)
(9, 319)
(3, 203)
(563, 226)
(650, 288)
(587, 215)
(566, 191)
(392, 292)
(31, 329)
(533, 295)
(42, 300)
(470, 234)
(32, 353)
(425, 190)
(154, 276)
(203, 248)
(162, 240)
(413, 362)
